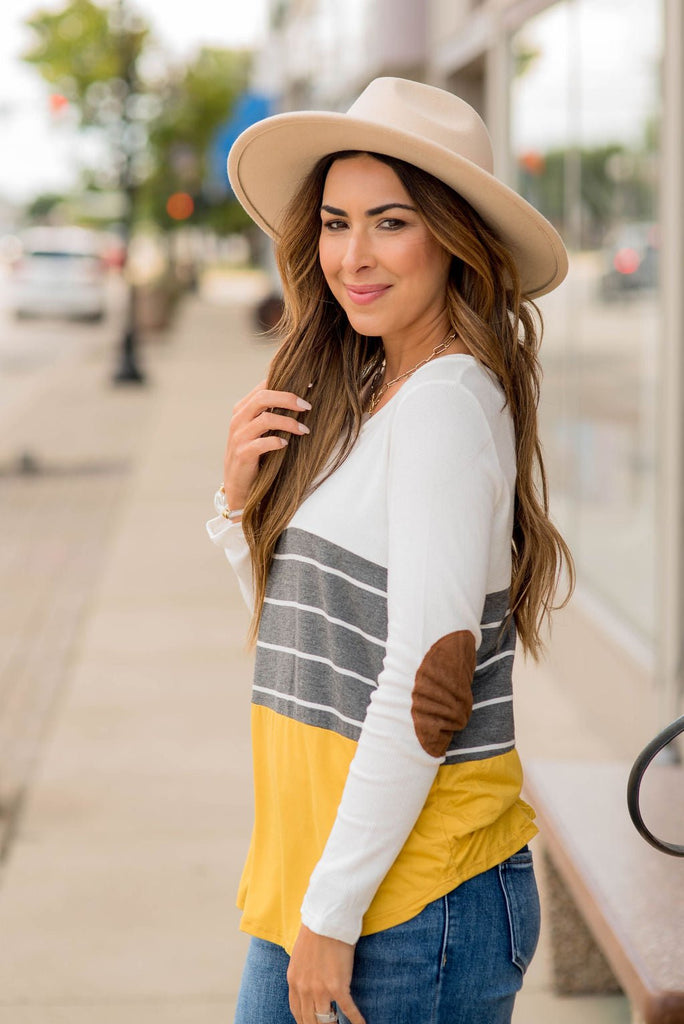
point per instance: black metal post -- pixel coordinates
(128, 371)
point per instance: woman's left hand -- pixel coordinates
(319, 974)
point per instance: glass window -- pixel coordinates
(585, 106)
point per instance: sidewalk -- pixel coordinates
(117, 896)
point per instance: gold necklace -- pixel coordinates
(375, 396)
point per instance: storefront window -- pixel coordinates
(585, 104)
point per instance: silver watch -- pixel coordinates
(221, 506)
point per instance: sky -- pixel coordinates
(41, 153)
(606, 96)
(617, 89)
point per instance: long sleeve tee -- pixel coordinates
(385, 768)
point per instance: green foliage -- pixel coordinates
(43, 205)
(525, 56)
(84, 47)
(279, 14)
(615, 184)
(158, 132)
(196, 101)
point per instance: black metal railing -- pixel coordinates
(634, 785)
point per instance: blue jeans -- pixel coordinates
(460, 961)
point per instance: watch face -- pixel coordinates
(219, 501)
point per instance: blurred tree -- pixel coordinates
(89, 53)
(616, 184)
(525, 56)
(40, 208)
(278, 14)
(157, 129)
(196, 100)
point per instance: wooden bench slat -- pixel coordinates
(631, 896)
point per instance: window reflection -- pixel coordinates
(585, 107)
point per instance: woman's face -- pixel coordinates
(381, 263)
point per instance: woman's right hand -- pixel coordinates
(252, 417)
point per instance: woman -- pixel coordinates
(380, 508)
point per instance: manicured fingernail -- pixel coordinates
(283, 442)
(302, 404)
(303, 429)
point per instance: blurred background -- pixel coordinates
(123, 254)
(114, 120)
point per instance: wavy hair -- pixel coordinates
(320, 349)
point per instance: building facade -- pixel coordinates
(583, 99)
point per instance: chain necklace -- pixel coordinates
(376, 395)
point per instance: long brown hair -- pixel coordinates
(485, 308)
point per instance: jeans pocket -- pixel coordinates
(521, 896)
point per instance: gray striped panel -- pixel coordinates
(492, 623)
(291, 579)
(300, 542)
(490, 727)
(296, 629)
(310, 632)
(311, 692)
(322, 673)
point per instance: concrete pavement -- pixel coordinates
(117, 894)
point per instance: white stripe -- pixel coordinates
(319, 611)
(496, 657)
(494, 700)
(307, 704)
(333, 572)
(318, 658)
(479, 750)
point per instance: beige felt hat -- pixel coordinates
(424, 126)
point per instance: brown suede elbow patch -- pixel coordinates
(442, 693)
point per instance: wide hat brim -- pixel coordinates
(271, 158)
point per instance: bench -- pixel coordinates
(615, 904)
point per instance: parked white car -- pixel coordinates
(59, 272)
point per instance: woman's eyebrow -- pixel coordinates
(369, 213)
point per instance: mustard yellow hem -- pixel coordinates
(379, 922)
(373, 923)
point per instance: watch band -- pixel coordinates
(221, 506)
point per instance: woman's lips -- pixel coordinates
(364, 294)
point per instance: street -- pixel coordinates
(33, 350)
(64, 461)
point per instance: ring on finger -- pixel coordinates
(329, 1017)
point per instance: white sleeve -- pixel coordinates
(230, 536)
(444, 482)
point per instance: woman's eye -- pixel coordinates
(334, 225)
(391, 224)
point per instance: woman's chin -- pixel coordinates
(369, 325)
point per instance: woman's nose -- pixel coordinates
(358, 252)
